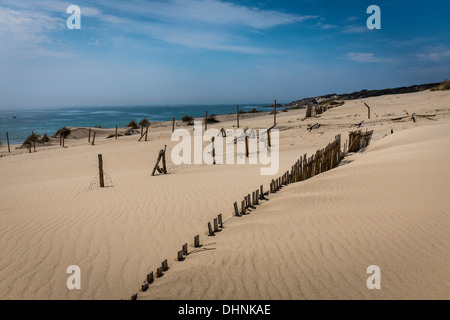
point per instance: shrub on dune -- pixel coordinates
(133, 125)
(63, 132)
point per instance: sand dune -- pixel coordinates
(315, 239)
(387, 206)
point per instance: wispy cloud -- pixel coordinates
(366, 57)
(25, 33)
(355, 29)
(203, 24)
(212, 12)
(437, 54)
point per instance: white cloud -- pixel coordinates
(436, 56)
(208, 11)
(355, 29)
(365, 57)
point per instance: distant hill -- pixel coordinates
(360, 95)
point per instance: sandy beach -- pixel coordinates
(386, 206)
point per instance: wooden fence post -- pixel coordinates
(368, 109)
(236, 210)
(164, 160)
(213, 150)
(261, 192)
(220, 220)
(197, 241)
(275, 114)
(116, 132)
(216, 225)
(89, 136)
(237, 113)
(268, 138)
(180, 256)
(165, 265)
(146, 133)
(247, 153)
(93, 139)
(7, 139)
(100, 169)
(210, 230)
(173, 125)
(150, 277)
(157, 162)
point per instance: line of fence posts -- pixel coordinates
(303, 169)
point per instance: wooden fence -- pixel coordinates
(359, 140)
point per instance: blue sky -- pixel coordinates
(140, 52)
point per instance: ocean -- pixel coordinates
(20, 123)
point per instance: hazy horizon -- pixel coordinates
(172, 52)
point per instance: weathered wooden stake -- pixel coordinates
(237, 113)
(180, 256)
(159, 272)
(368, 109)
(210, 230)
(7, 139)
(93, 139)
(173, 125)
(185, 249)
(261, 192)
(164, 160)
(100, 169)
(220, 220)
(150, 277)
(247, 154)
(213, 150)
(197, 241)
(268, 138)
(134, 296)
(157, 162)
(236, 210)
(146, 133)
(144, 286)
(216, 225)
(275, 114)
(165, 265)
(244, 209)
(89, 136)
